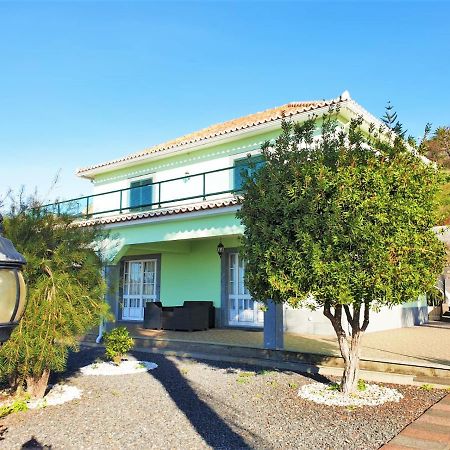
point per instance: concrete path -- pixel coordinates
(430, 431)
(416, 345)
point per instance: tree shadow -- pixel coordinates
(207, 423)
(3, 431)
(33, 443)
(216, 431)
(414, 358)
(75, 361)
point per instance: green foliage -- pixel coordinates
(333, 387)
(244, 377)
(437, 148)
(247, 374)
(265, 372)
(361, 385)
(426, 387)
(341, 218)
(343, 221)
(16, 406)
(390, 119)
(117, 343)
(65, 292)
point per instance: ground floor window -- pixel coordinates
(242, 309)
(139, 286)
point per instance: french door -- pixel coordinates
(242, 309)
(139, 286)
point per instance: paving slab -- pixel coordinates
(421, 345)
(431, 431)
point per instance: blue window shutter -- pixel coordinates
(147, 194)
(141, 194)
(241, 166)
(238, 169)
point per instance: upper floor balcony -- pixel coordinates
(146, 195)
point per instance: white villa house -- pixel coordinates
(169, 206)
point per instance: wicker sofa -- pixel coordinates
(191, 316)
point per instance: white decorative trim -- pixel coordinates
(254, 146)
(173, 217)
(205, 143)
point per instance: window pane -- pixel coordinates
(141, 193)
(241, 167)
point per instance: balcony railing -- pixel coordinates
(200, 186)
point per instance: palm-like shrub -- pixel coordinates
(65, 294)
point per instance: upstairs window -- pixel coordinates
(141, 194)
(242, 167)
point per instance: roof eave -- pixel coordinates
(348, 106)
(199, 145)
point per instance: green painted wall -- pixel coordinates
(192, 273)
(182, 230)
(212, 152)
(234, 147)
(192, 276)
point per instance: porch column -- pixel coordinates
(273, 326)
(112, 275)
(446, 290)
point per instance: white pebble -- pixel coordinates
(373, 395)
(124, 368)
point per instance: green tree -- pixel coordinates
(342, 223)
(390, 119)
(65, 294)
(437, 148)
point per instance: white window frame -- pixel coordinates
(141, 298)
(237, 316)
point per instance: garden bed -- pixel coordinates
(198, 404)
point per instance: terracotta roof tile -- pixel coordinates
(241, 123)
(182, 209)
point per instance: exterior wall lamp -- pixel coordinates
(220, 249)
(12, 286)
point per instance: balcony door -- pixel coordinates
(242, 309)
(141, 195)
(139, 286)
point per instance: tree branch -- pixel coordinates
(334, 319)
(356, 316)
(348, 314)
(327, 312)
(366, 316)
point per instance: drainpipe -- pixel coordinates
(100, 332)
(101, 325)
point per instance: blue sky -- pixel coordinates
(84, 82)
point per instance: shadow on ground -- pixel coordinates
(211, 426)
(35, 444)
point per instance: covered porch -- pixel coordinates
(173, 257)
(421, 346)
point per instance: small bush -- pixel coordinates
(265, 372)
(16, 406)
(246, 374)
(361, 385)
(426, 387)
(117, 343)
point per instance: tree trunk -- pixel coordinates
(36, 386)
(350, 351)
(350, 377)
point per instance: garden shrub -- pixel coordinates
(117, 343)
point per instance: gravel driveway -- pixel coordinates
(188, 404)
